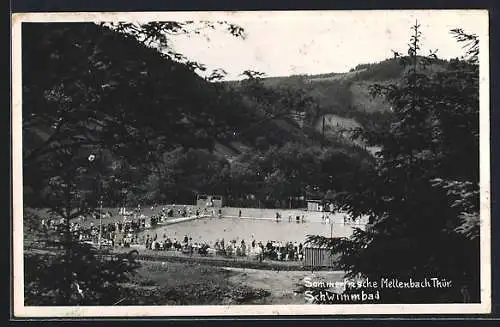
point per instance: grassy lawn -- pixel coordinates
(175, 283)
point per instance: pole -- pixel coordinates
(69, 270)
(99, 191)
(331, 230)
(100, 220)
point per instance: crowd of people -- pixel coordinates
(125, 230)
(129, 231)
(120, 233)
(126, 234)
(272, 250)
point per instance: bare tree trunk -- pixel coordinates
(68, 240)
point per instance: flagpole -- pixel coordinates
(100, 216)
(91, 159)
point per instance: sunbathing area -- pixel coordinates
(227, 232)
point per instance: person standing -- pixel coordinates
(261, 252)
(243, 248)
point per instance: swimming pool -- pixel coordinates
(210, 229)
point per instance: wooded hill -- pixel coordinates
(342, 93)
(166, 133)
(88, 89)
(344, 100)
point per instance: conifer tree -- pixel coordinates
(422, 194)
(107, 91)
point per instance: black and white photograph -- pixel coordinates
(251, 163)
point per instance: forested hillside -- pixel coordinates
(346, 95)
(159, 131)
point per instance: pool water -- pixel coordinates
(213, 229)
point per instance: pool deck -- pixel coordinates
(194, 217)
(180, 220)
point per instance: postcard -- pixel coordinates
(184, 164)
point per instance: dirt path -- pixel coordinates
(285, 287)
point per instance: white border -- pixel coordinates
(182, 311)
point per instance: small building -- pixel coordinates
(209, 201)
(319, 257)
(314, 205)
